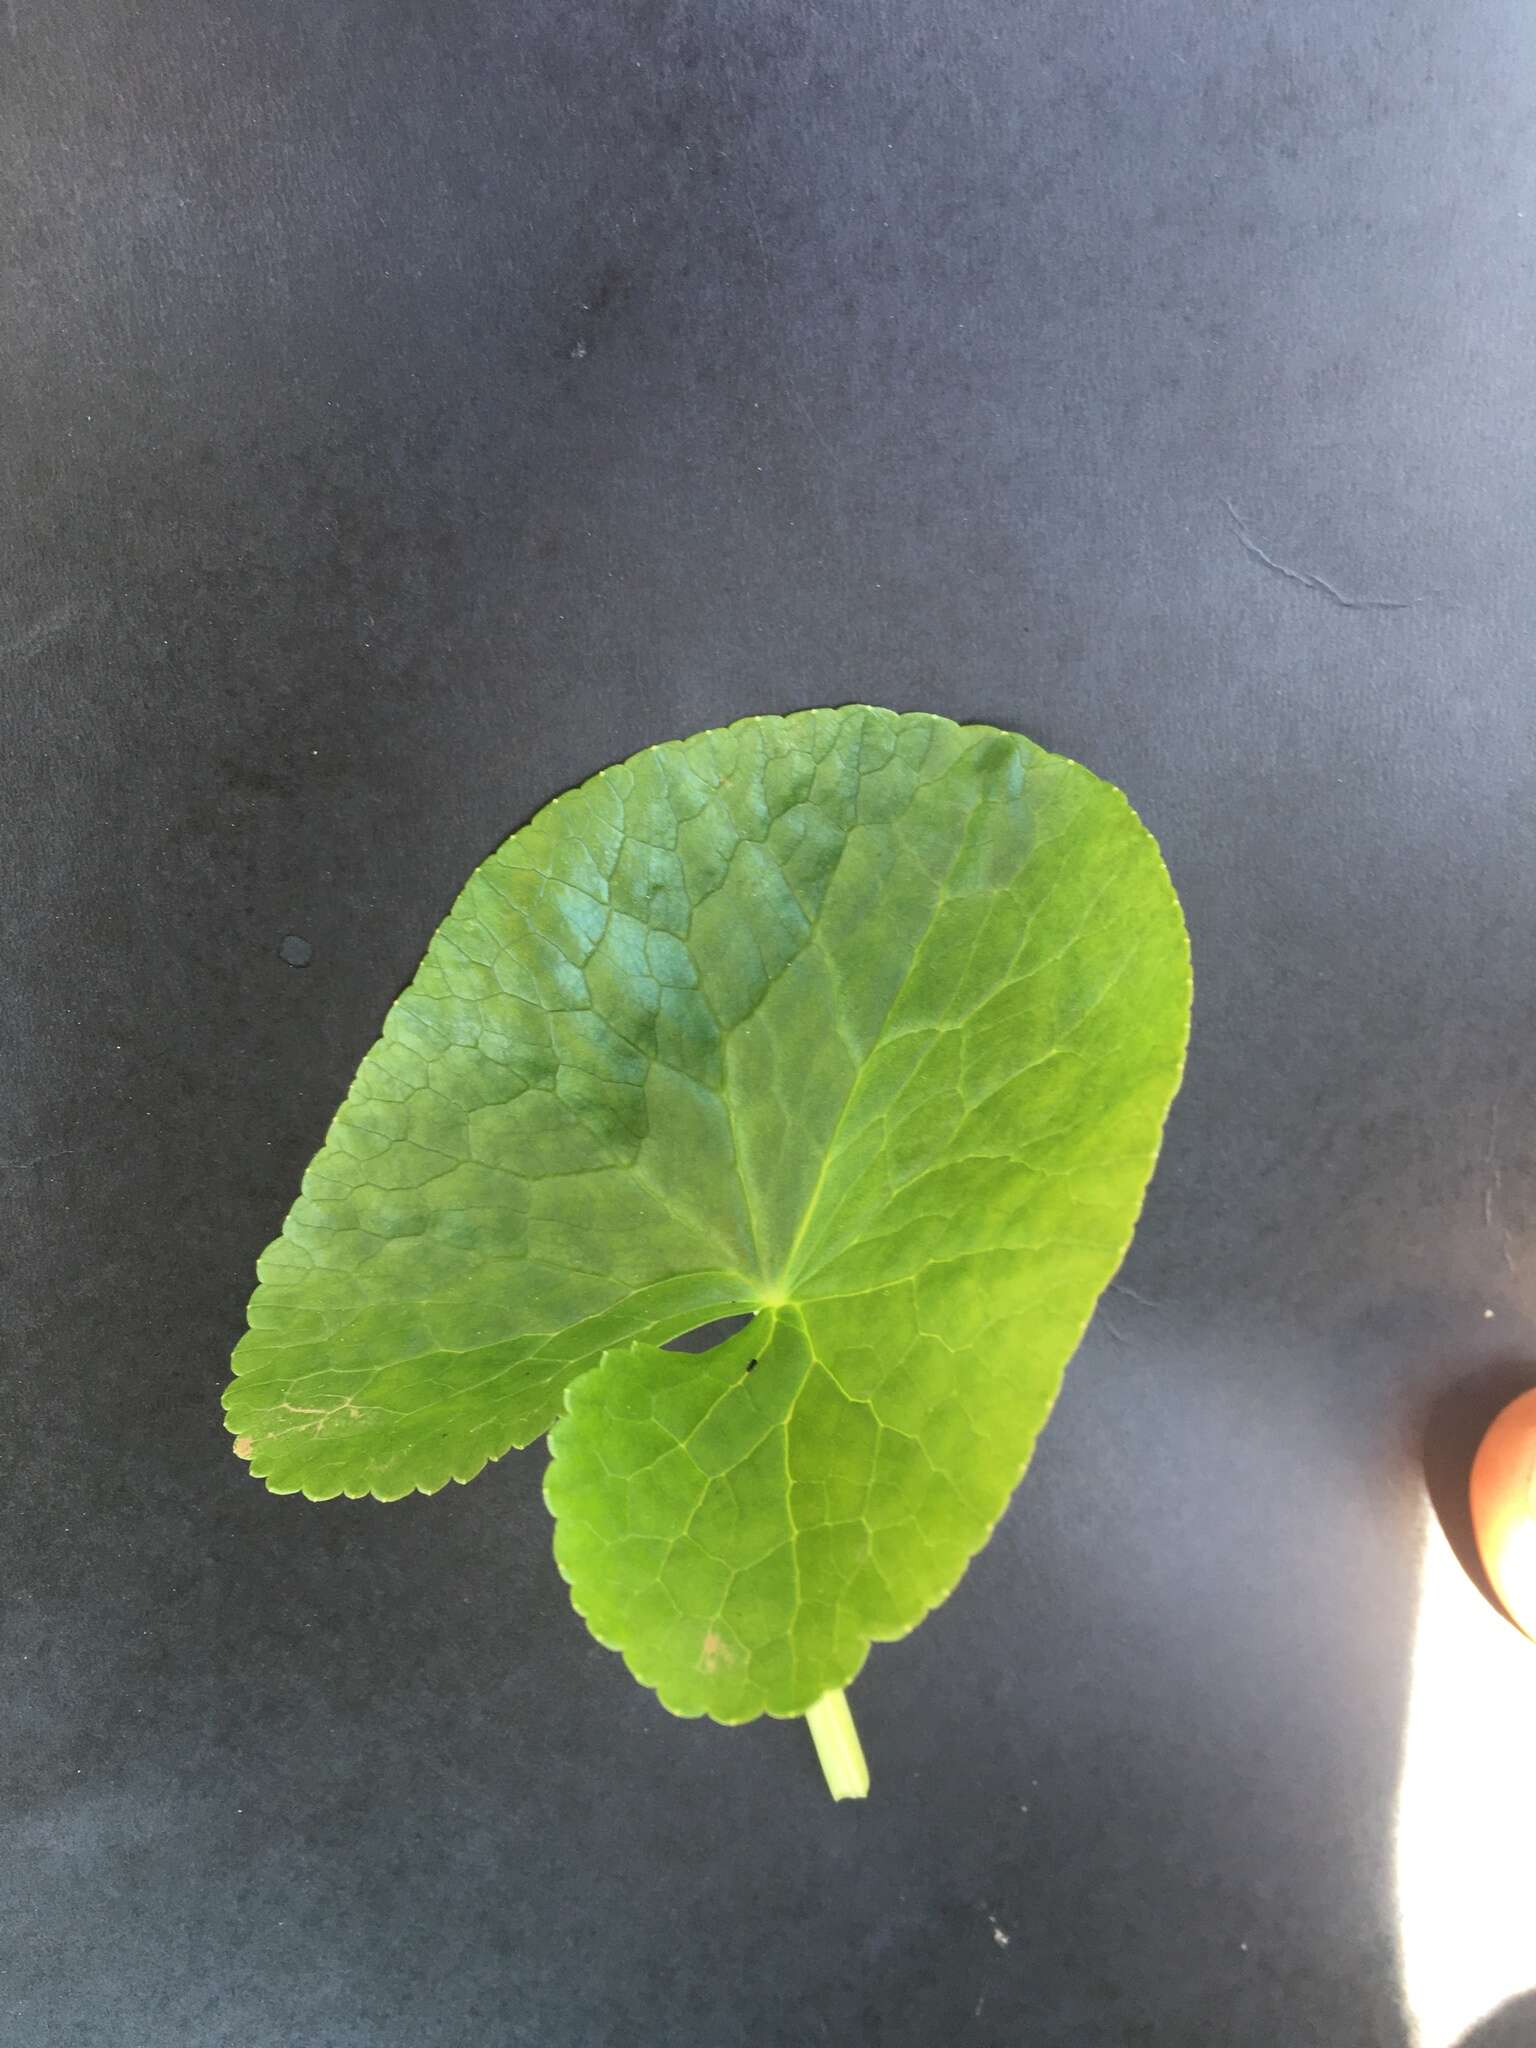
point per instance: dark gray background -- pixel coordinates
(406, 410)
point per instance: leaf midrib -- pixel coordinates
(786, 1281)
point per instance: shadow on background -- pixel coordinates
(1512, 2026)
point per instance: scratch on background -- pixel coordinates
(1307, 579)
(1493, 1189)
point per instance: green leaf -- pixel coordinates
(863, 1024)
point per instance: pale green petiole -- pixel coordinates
(837, 1744)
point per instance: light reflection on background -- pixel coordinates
(1466, 1811)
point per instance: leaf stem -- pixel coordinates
(837, 1745)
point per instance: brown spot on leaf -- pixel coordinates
(243, 1447)
(714, 1652)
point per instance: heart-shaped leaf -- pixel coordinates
(863, 1024)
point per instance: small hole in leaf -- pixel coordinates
(707, 1335)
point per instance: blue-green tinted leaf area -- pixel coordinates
(865, 1024)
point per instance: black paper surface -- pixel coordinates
(405, 411)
